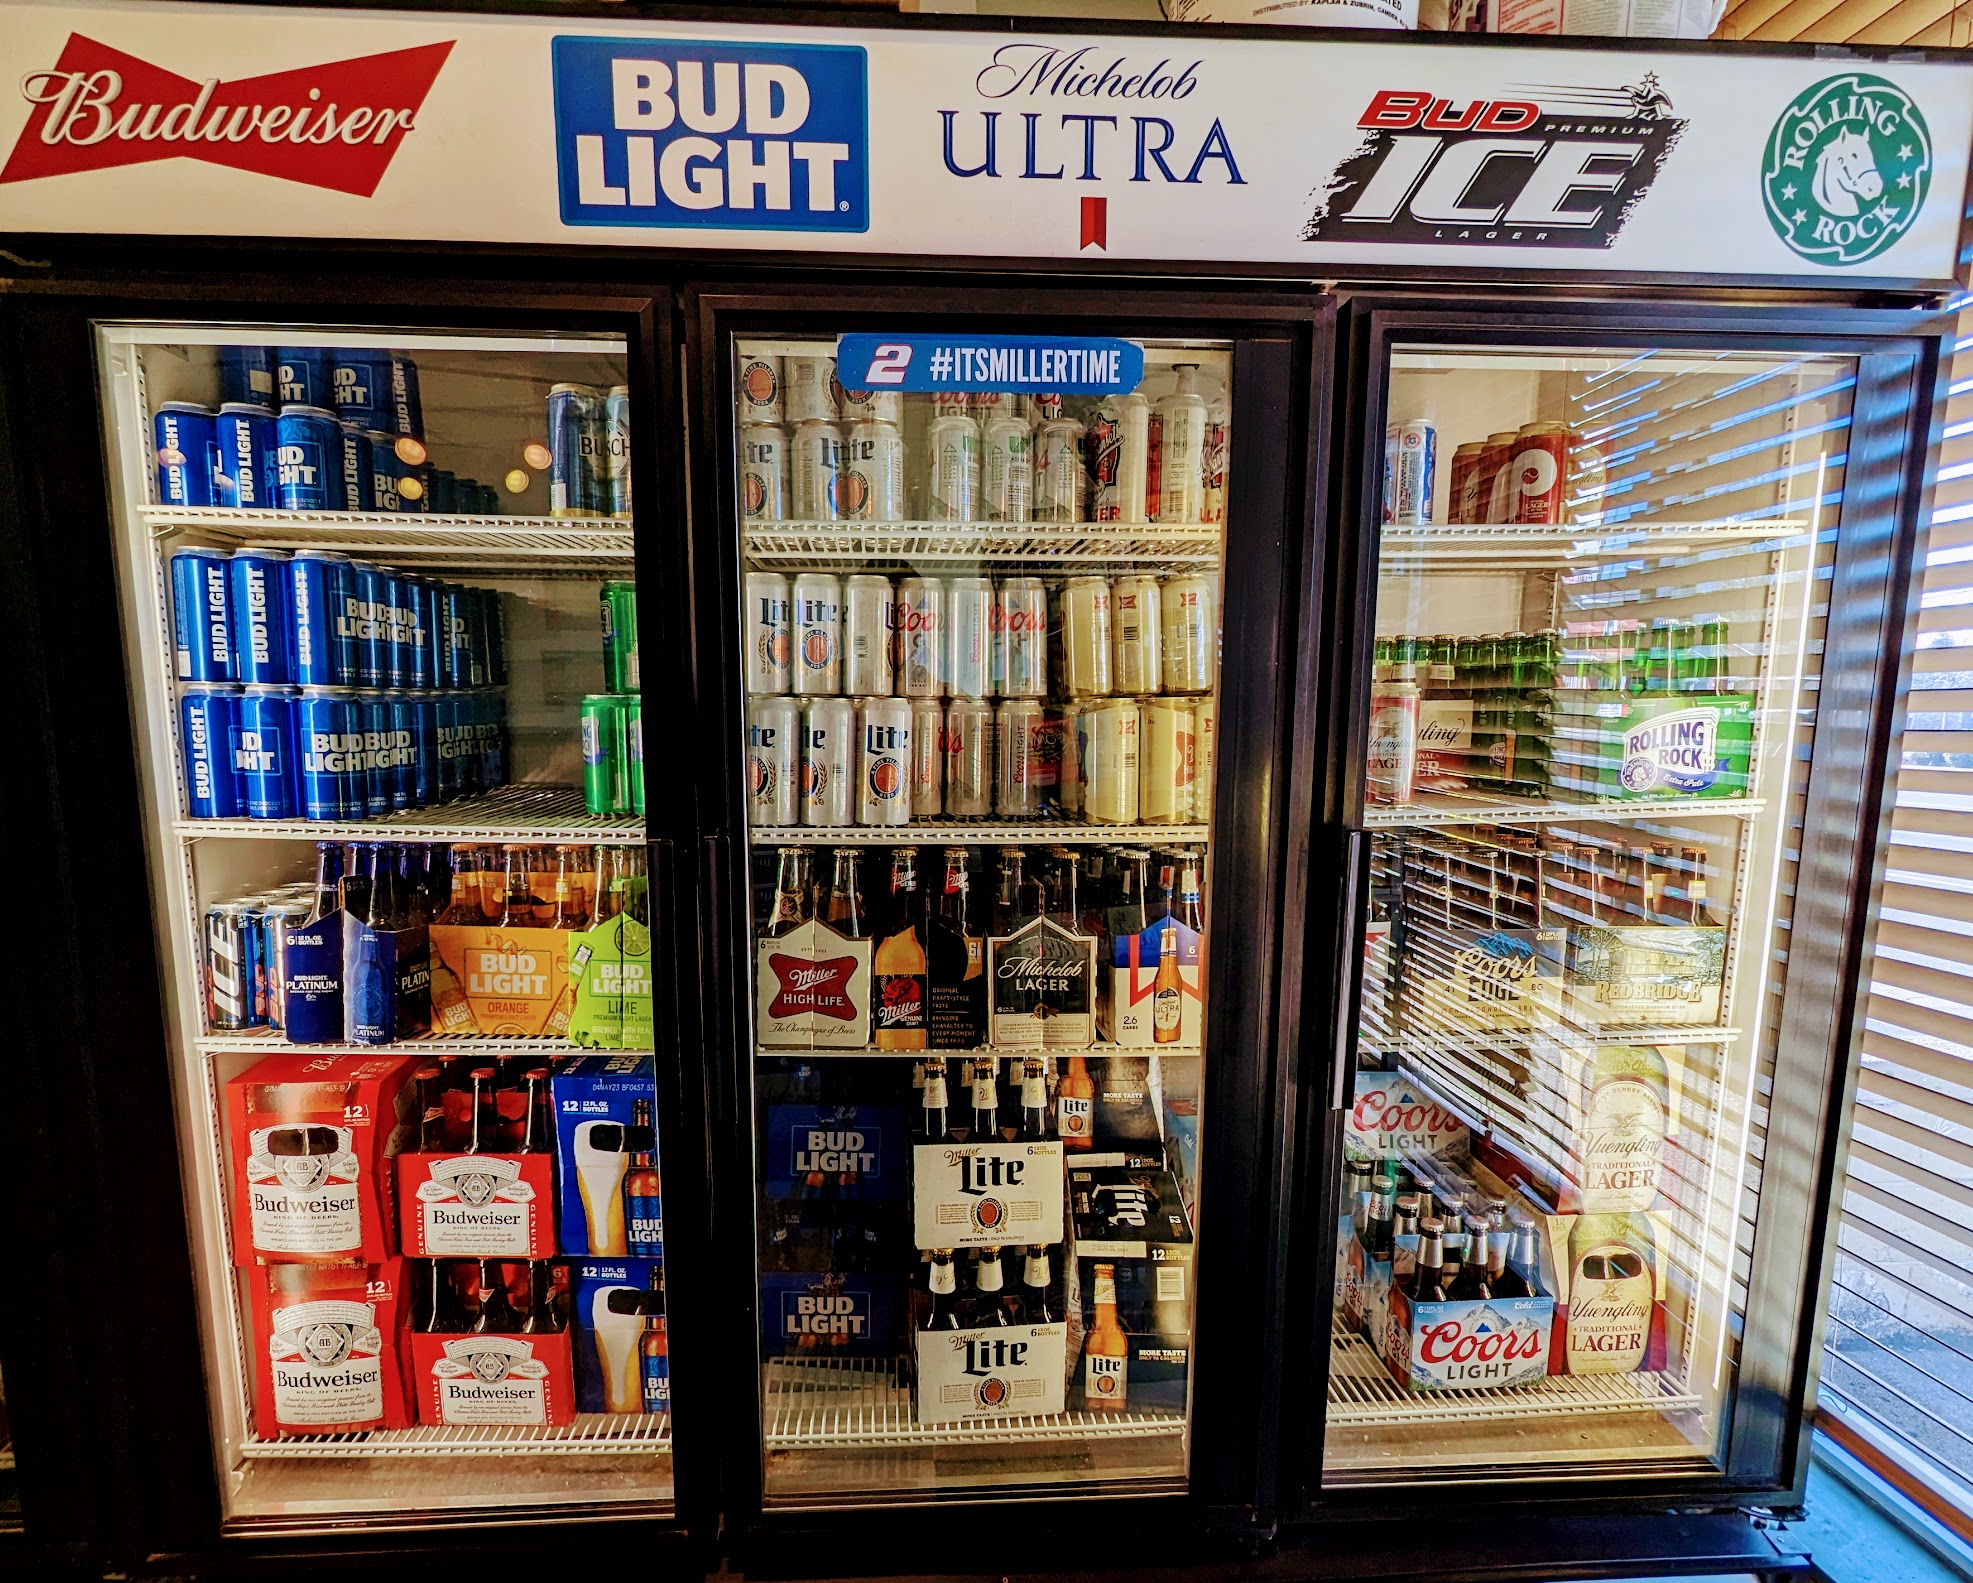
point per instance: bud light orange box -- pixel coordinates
(477, 1206)
(312, 1137)
(513, 983)
(325, 1337)
(489, 1378)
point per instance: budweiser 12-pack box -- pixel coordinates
(325, 1344)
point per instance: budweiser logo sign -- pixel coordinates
(334, 126)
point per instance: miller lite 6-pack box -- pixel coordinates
(325, 1344)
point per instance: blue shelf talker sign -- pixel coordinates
(739, 137)
(1074, 365)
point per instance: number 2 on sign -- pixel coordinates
(888, 363)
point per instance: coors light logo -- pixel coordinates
(334, 126)
(1556, 166)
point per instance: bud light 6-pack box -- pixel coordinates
(326, 1348)
(506, 982)
(604, 1105)
(845, 1153)
(813, 1317)
(311, 1138)
(618, 1304)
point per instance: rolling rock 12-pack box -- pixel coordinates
(1129, 1219)
(1644, 748)
(622, 1360)
(326, 1347)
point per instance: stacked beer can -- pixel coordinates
(613, 720)
(879, 702)
(1542, 473)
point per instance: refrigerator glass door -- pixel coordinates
(401, 894)
(1598, 622)
(980, 640)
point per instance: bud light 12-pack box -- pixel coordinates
(846, 1153)
(606, 1155)
(618, 1304)
(813, 1317)
(311, 1136)
(326, 1345)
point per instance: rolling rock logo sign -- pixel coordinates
(1563, 167)
(1847, 169)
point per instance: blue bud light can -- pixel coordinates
(277, 917)
(654, 1366)
(308, 459)
(368, 622)
(407, 407)
(444, 487)
(493, 740)
(472, 760)
(400, 749)
(231, 947)
(376, 754)
(185, 444)
(424, 749)
(260, 587)
(386, 471)
(264, 751)
(329, 736)
(243, 472)
(246, 373)
(400, 663)
(489, 501)
(208, 720)
(477, 637)
(616, 451)
(354, 459)
(458, 637)
(325, 651)
(305, 376)
(426, 606)
(201, 622)
(448, 715)
(575, 426)
(359, 391)
(496, 639)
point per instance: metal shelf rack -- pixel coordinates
(869, 1052)
(1559, 546)
(965, 546)
(539, 815)
(264, 1041)
(592, 1434)
(590, 546)
(983, 832)
(1439, 809)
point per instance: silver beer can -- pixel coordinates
(770, 633)
(883, 762)
(1205, 757)
(1138, 634)
(1178, 465)
(927, 758)
(818, 634)
(828, 770)
(1189, 618)
(1020, 638)
(869, 636)
(1167, 760)
(1006, 469)
(810, 387)
(1110, 760)
(968, 746)
(1061, 481)
(763, 473)
(774, 728)
(970, 633)
(1118, 447)
(877, 406)
(815, 473)
(952, 480)
(1212, 470)
(1072, 717)
(921, 639)
(1087, 643)
(871, 488)
(760, 389)
(1023, 777)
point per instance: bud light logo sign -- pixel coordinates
(712, 136)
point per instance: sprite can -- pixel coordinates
(605, 754)
(620, 667)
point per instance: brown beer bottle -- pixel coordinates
(544, 1318)
(518, 902)
(1428, 1283)
(791, 892)
(571, 909)
(538, 1127)
(842, 910)
(483, 1119)
(436, 1301)
(897, 967)
(497, 1315)
(431, 1109)
(1472, 1285)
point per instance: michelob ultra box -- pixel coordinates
(325, 1345)
(477, 1206)
(599, 1100)
(312, 1137)
(977, 1195)
(489, 1378)
(992, 1373)
(830, 1314)
(612, 1303)
(610, 986)
(1130, 980)
(505, 982)
(812, 988)
(1653, 748)
(833, 1152)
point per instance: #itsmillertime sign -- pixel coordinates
(1847, 168)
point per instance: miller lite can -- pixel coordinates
(1167, 761)
(1086, 640)
(968, 749)
(1061, 481)
(770, 634)
(927, 758)
(760, 390)
(1189, 617)
(952, 481)
(873, 406)
(1006, 469)
(1119, 448)
(921, 637)
(773, 760)
(1020, 632)
(1138, 633)
(883, 764)
(815, 472)
(970, 631)
(1414, 472)
(1110, 757)
(869, 636)
(870, 487)
(809, 385)
(763, 473)
(818, 633)
(828, 769)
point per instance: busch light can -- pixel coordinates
(399, 741)
(574, 444)
(353, 462)
(616, 451)
(246, 374)
(329, 737)
(363, 603)
(184, 441)
(304, 376)
(259, 585)
(264, 751)
(375, 709)
(243, 445)
(201, 620)
(231, 947)
(325, 651)
(208, 720)
(308, 459)
(276, 918)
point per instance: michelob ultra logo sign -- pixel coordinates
(764, 137)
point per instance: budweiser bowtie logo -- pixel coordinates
(333, 126)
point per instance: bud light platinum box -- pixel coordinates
(310, 1135)
(612, 1300)
(326, 1349)
(979, 1195)
(992, 1373)
(599, 1125)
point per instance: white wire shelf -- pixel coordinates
(912, 545)
(591, 1434)
(1435, 809)
(864, 1404)
(1552, 545)
(1374, 1031)
(1362, 1395)
(542, 815)
(869, 1052)
(414, 537)
(983, 832)
(269, 1041)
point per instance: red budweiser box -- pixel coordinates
(491, 1378)
(311, 1139)
(325, 1341)
(477, 1206)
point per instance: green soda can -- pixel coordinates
(605, 752)
(633, 708)
(620, 669)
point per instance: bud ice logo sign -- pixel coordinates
(1847, 168)
(669, 132)
(336, 125)
(1563, 166)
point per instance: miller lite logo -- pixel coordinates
(1553, 166)
(336, 125)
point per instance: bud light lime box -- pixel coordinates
(605, 1107)
(1653, 748)
(327, 1361)
(999, 1372)
(311, 1138)
(834, 1314)
(977, 1195)
(613, 1303)
(610, 974)
(834, 1153)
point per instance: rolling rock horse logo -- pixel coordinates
(1847, 169)
(1563, 166)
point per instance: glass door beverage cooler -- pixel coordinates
(1604, 782)
(378, 609)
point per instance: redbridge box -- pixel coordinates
(477, 1206)
(312, 1137)
(325, 1341)
(490, 1378)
